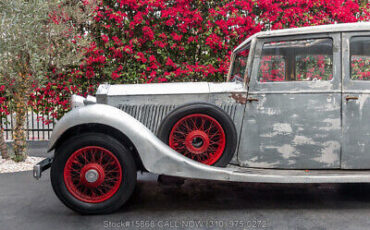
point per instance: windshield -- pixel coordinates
(239, 65)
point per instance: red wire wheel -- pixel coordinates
(92, 174)
(199, 137)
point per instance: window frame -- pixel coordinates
(349, 84)
(232, 64)
(248, 70)
(331, 85)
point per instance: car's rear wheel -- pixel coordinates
(200, 131)
(93, 173)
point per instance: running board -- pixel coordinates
(241, 174)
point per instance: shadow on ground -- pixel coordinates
(27, 204)
(216, 195)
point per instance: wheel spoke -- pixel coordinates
(181, 133)
(202, 125)
(84, 156)
(194, 123)
(188, 126)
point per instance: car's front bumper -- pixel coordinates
(42, 166)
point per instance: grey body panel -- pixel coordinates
(356, 114)
(282, 131)
(294, 125)
(159, 158)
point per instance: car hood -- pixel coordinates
(169, 88)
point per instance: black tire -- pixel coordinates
(208, 109)
(124, 157)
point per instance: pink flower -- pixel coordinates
(141, 57)
(105, 38)
(169, 62)
(176, 37)
(152, 58)
(148, 32)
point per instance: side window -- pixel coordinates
(360, 58)
(272, 68)
(314, 67)
(298, 60)
(239, 65)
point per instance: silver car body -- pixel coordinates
(277, 141)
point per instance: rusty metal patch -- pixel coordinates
(239, 98)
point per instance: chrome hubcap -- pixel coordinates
(197, 142)
(91, 176)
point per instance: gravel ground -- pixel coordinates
(9, 166)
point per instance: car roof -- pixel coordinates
(331, 28)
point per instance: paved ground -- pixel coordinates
(34, 148)
(29, 204)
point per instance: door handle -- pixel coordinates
(250, 99)
(351, 98)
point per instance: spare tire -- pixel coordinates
(200, 131)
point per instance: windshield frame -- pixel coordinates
(247, 71)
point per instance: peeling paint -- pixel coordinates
(261, 105)
(361, 146)
(294, 115)
(333, 124)
(302, 140)
(300, 129)
(329, 153)
(271, 111)
(329, 99)
(271, 134)
(362, 100)
(261, 164)
(319, 84)
(287, 151)
(282, 128)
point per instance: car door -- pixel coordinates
(293, 116)
(356, 100)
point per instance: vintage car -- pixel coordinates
(295, 109)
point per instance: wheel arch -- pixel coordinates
(104, 129)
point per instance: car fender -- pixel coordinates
(157, 157)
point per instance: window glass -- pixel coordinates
(360, 58)
(298, 60)
(313, 67)
(239, 65)
(272, 68)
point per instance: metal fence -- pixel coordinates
(36, 129)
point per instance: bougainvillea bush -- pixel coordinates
(3, 103)
(144, 41)
(3, 113)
